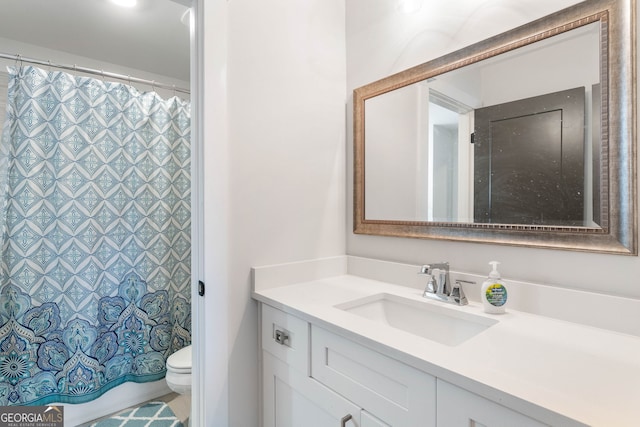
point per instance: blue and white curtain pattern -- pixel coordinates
(95, 221)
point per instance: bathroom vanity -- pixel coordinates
(339, 349)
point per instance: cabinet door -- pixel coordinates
(459, 408)
(291, 399)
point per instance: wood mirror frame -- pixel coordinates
(618, 221)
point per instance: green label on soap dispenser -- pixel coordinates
(496, 294)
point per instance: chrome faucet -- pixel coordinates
(439, 285)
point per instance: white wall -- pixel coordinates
(285, 155)
(382, 41)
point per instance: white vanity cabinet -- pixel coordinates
(314, 377)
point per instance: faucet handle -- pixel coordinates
(431, 285)
(457, 293)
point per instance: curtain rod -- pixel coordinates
(154, 84)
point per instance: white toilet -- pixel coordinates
(178, 375)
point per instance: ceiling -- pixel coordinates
(150, 37)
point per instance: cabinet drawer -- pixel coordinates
(395, 393)
(286, 337)
(461, 408)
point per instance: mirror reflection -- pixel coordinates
(513, 139)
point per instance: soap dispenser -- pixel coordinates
(494, 292)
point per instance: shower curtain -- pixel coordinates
(95, 222)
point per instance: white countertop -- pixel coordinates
(524, 361)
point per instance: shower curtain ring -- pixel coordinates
(21, 66)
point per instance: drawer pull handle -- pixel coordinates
(343, 421)
(282, 337)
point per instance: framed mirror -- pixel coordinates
(526, 138)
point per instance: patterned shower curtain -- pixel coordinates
(95, 222)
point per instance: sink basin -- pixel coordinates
(424, 319)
